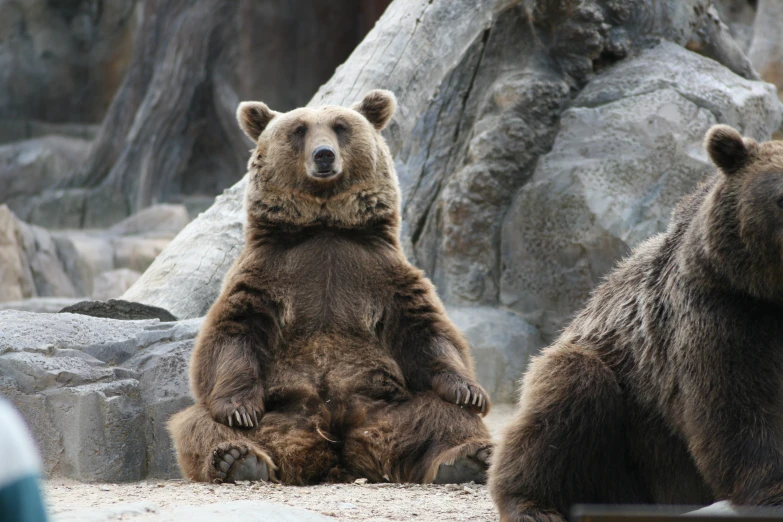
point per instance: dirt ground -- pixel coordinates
(141, 501)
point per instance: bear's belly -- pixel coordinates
(333, 371)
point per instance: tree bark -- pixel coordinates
(170, 132)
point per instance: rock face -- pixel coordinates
(29, 167)
(45, 44)
(35, 262)
(534, 147)
(629, 146)
(502, 344)
(215, 239)
(96, 392)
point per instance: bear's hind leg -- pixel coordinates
(567, 442)
(208, 451)
(422, 440)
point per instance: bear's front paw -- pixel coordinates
(237, 412)
(455, 389)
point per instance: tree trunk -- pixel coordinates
(170, 132)
(493, 96)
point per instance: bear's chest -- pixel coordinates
(332, 284)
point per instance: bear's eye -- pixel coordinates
(339, 127)
(780, 202)
(300, 130)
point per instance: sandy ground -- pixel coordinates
(370, 502)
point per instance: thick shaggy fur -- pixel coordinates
(327, 355)
(668, 387)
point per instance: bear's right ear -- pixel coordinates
(728, 150)
(253, 117)
(378, 107)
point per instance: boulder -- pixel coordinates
(69, 263)
(15, 274)
(502, 344)
(137, 252)
(29, 262)
(628, 148)
(97, 392)
(113, 283)
(29, 167)
(213, 240)
(165, 219)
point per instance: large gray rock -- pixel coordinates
(29, 262)
(113, 283)
(29, 167)
(35, 262)
(96, 392)
(162, 219)
(628, 148)
(502, 344)
(213, 240)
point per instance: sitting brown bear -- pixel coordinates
(668, 387)
(328, 356)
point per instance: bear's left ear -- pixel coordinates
(378, 107)
(253, 117)
(728, 150)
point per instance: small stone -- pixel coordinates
(346, 505)
(360, 481)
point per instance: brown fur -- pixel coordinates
(325, 339)
(668, 386)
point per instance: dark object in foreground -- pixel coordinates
(666, 388)
(665, 513)
(119, 309)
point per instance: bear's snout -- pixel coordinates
(324, 157)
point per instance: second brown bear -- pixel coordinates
(668, 387)
(328, 356)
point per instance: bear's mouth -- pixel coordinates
(324, 174)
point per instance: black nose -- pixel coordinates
(324, 158)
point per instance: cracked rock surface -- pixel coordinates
(96, 392)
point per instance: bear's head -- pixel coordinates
(321, 166)
(743, 213)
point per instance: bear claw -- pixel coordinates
(243, 419)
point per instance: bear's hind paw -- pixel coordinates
(232, 462)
